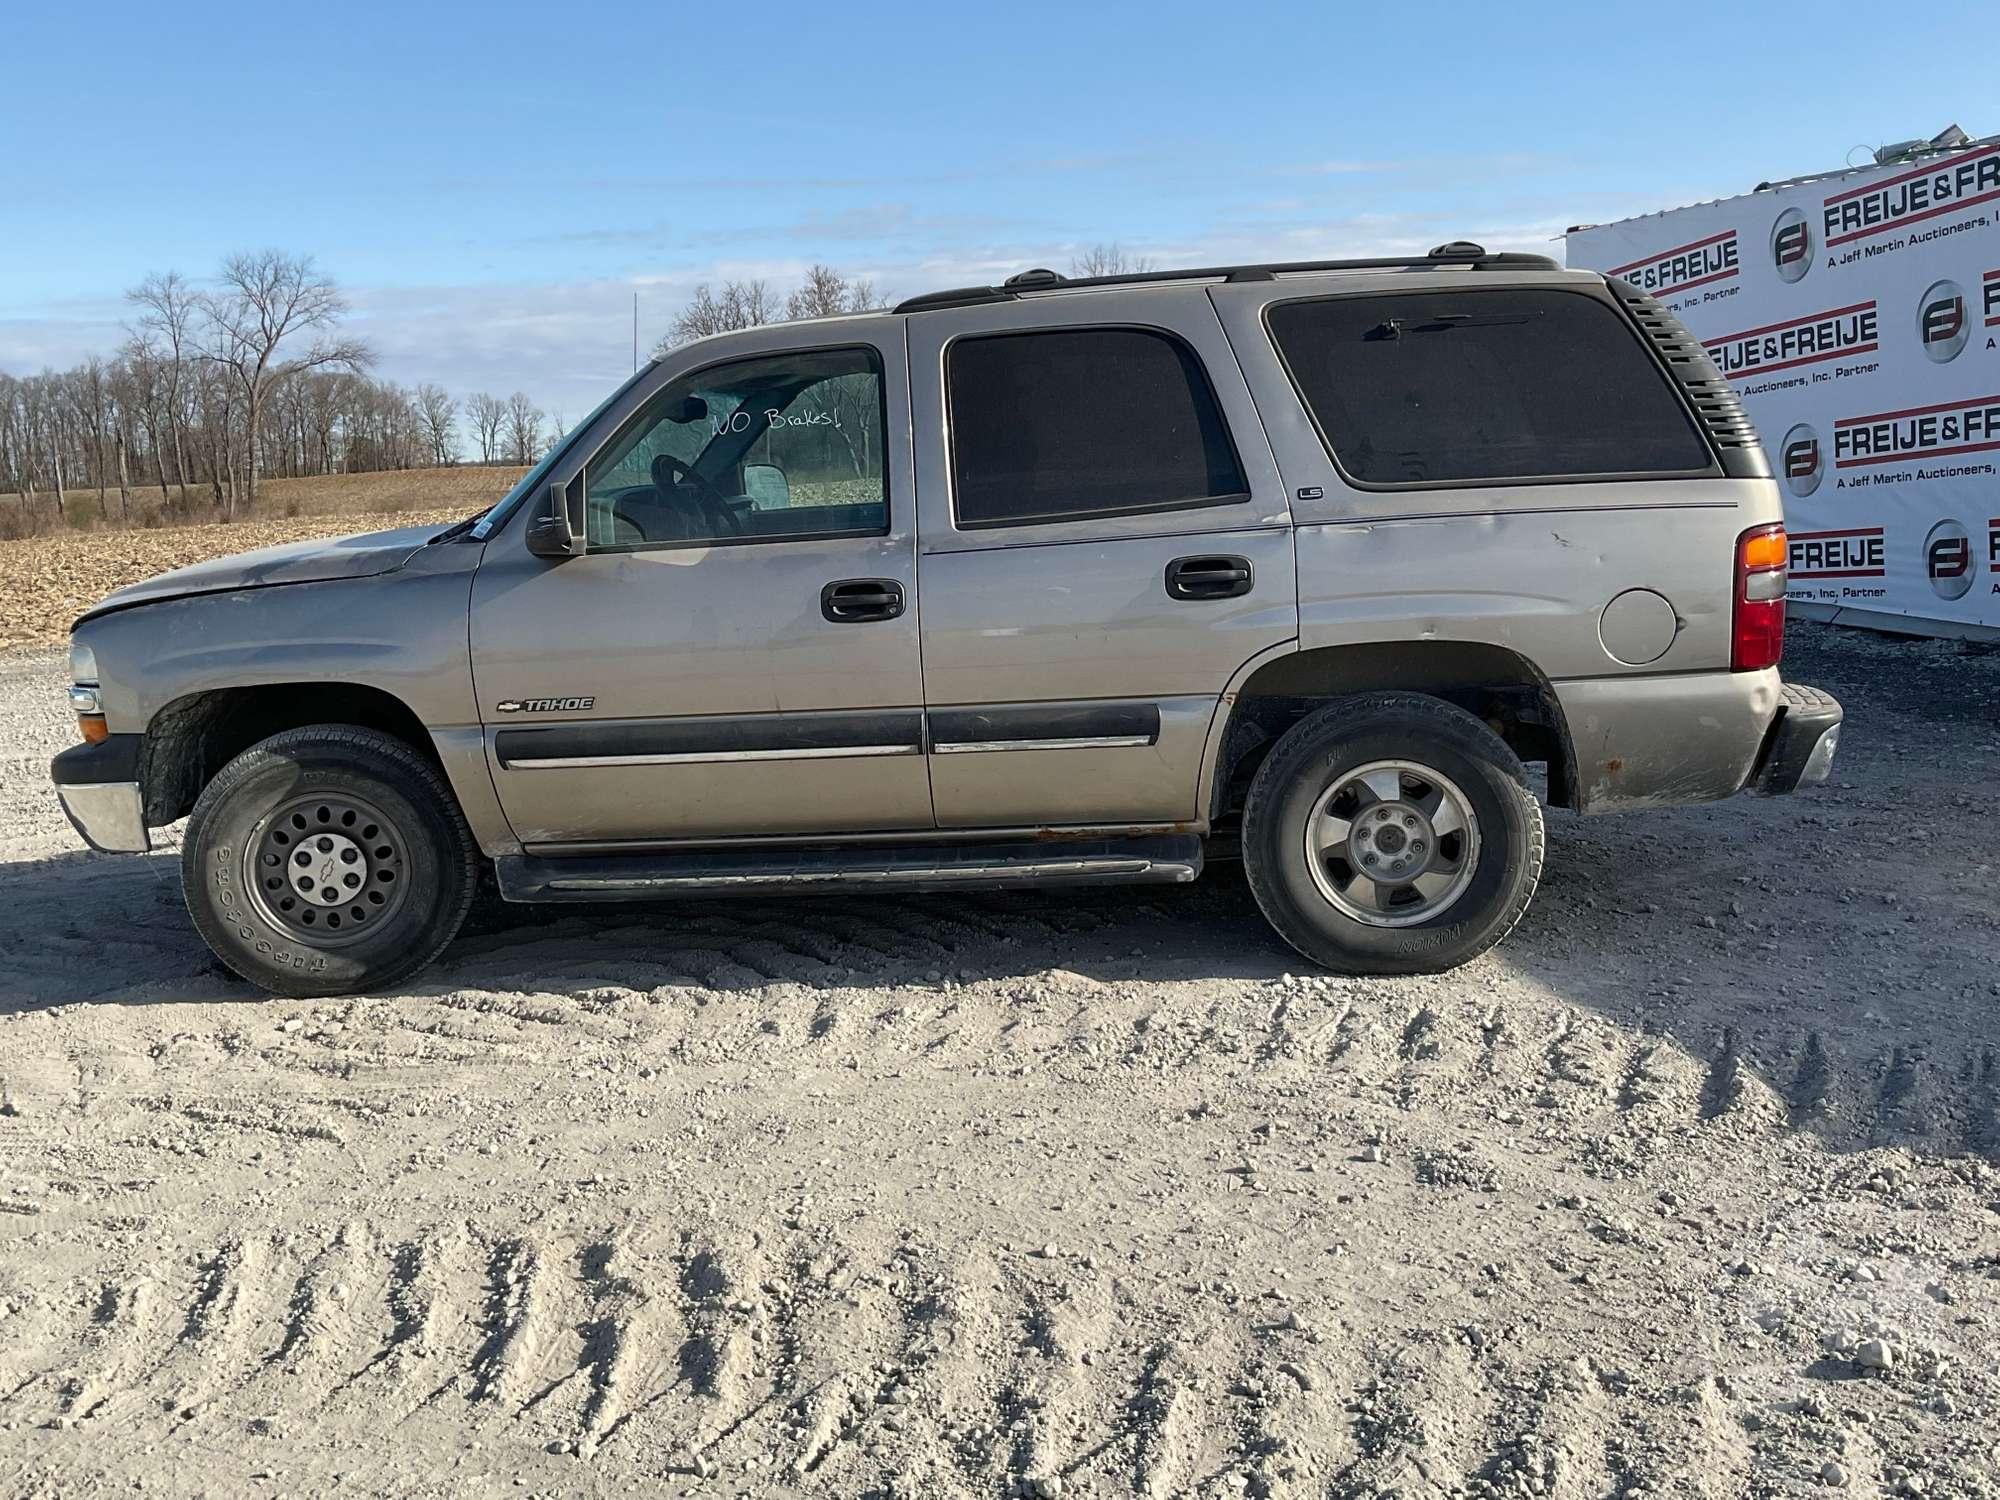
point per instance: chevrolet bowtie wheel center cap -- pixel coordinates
(328, 869)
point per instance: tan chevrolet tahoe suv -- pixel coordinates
(1051, 582)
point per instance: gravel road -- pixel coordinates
(1690, 1189)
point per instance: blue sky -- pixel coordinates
(490, 183)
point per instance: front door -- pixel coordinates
(1105, 542)
(736, 650)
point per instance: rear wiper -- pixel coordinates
(1395, 328)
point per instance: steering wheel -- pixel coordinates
(681, 487)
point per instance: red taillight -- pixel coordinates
(1757, 627)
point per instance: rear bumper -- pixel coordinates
(1798, 750)
(98, 786)
(1661, 741)
(1693, 737)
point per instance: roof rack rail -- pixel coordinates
(1457, 253)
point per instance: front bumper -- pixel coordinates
(98, 786)
(1798, 748)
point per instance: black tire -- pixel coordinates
(1316, 756)
(402, 811)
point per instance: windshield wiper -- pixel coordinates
(458, 529)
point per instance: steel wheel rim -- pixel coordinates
(1392, 843)
(327, 869)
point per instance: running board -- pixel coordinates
(1169, 860)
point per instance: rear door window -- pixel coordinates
(1471, 387)
(1072, 423)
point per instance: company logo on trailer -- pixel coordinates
(1991, 289)
(1684, 266)
(1919, 432)
(1912, 197)
(1800, 460)
(1834, 334)
(1948, 559)
(1857, 552)
(1942, 324)
(1791, 245)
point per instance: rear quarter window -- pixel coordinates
(1470, 387)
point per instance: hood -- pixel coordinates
(321, 560)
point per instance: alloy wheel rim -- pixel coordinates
(1392, 843)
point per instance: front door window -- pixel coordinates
(756, 450)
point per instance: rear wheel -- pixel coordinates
(1392, 834)
(328, 860)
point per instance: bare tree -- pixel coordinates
(489, 416)
(742, 304)
(524, 428)
(48, 430)
(127, 403)
(826, 293)
(268, 300)
(439, 415)
(215, 418)
(148, 404)
(167, 308)
(88, 391)
(1109, 260)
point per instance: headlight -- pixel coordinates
(85, 701)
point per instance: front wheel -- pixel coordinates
(1392, 834)
(328, 860)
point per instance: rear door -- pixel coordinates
(1104, 541)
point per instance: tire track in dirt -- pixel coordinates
(754, 1194)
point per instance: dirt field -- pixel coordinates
(1689, 1190)
(53, 579)
(461, 485)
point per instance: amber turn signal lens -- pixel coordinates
(95, 730)
(1764, 549)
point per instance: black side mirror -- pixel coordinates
(557, 530)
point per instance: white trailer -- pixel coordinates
(1857, 313)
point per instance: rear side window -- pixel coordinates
(1473, 386)
(1078, 422)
